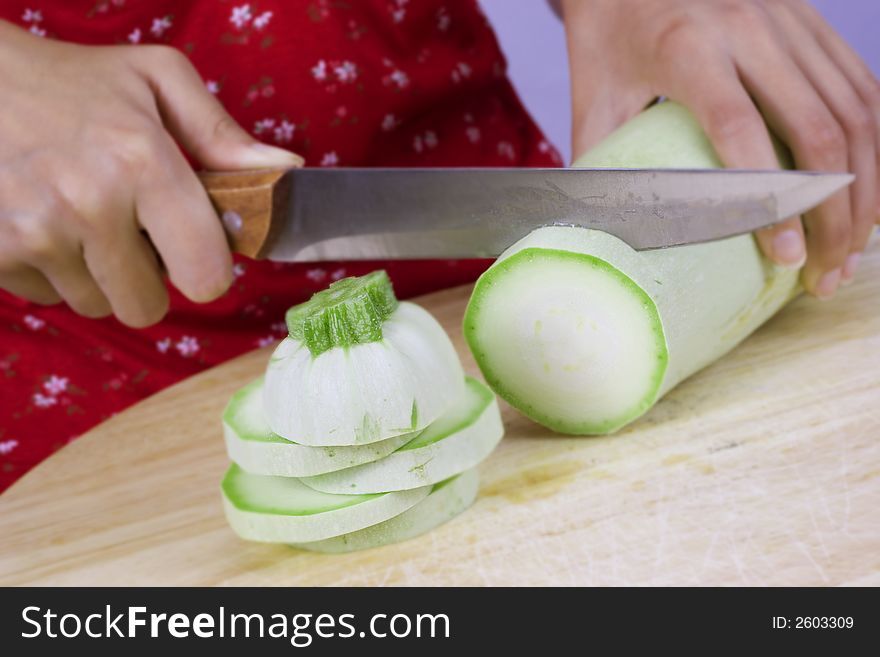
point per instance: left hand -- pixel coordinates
(732, 62)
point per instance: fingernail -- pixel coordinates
(849, 268)
(827, 285)
(788, 249)
(266, 155)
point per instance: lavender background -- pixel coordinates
(534, 42)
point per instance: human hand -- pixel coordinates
(95, 196)
(730, 62)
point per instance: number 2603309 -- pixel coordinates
(822, 622)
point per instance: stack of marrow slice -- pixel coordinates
(364, 430)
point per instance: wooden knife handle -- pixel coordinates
(251, 204)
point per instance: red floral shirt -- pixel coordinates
(366, 83)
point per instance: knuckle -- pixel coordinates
(824, 138)
(134, 149)
(859, 122)
(210, 287)
(36, 241)
(45, 296)
(730, 119)
(90, 303)
(148, 313)
(835, 236)
(675, 37)
(163, 56)
(223, 126)
(746, 15)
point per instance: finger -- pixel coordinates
(857, 120)
(28, 283)
(126, 269)
(198, 120)
(598, 109)
(853, 66)
(795, 111)
(174, 209)
(712, 90)
(70, 276)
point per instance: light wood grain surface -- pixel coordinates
(763, 469)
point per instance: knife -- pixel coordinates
(304, 215)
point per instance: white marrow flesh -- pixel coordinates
(457, 441)
(252, 444)
(366, 392)
(284, 510)
(583, 334)
(446, 500)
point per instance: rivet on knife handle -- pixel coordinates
(248, 203)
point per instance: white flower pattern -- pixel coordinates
(160, 26)
(55, 384)
(284, 132)
(187, 346)
(34, 323)
(262, 20)
(43, 401)
(263, 125)
(241, 16)
(319, 71)
(265, 341)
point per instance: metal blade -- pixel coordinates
(366, 214)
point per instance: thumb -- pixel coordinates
(199, 122)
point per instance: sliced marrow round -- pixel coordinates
(284, 510)
(446, 500)
(252, 444)
(457, 441)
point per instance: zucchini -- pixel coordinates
(461, 438)
(583, 334)
(284, 510)
(446, 500)
(359, 367)
(257, 449)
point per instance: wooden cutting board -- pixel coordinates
(762, 469)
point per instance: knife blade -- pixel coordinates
(302, 215)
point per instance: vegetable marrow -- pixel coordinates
(359, 367)
(284, 510)
(583, 334)
(446, 500)
(257, 449)
(461, 438)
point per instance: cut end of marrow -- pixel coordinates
(351, 311)
(587, 357)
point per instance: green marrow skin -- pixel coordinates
(447, 499)
(283, 510)
(706, 298)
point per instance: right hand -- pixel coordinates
(95, 196)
